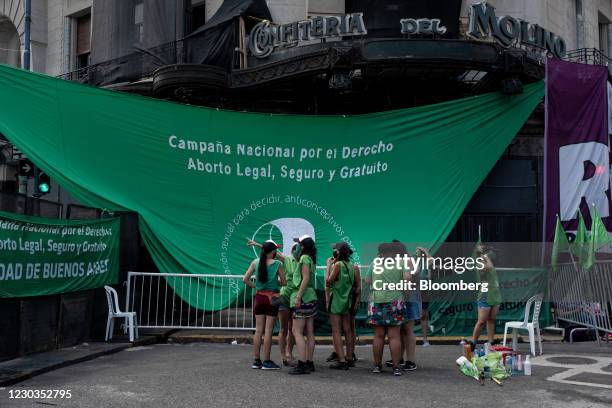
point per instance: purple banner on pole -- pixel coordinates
(577, 155)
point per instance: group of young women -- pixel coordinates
(285, 288)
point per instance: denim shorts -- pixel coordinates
(283, 304)
(483, 304)
(412, 311)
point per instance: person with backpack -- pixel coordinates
(304, 305)
(269, 277)
(341, 289)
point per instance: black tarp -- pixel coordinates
(215, 41)
(131, 38)
(382, 17)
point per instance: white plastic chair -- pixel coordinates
(532, 327)
(114, 312)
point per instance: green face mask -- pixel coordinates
(296, 251)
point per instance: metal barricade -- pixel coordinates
(158, 306)
(583, 297)
(154, 299)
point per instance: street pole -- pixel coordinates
(27, 32)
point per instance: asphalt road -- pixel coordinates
(219, 375)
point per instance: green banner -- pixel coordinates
(40, 256)
(204, 180)
(455, 314)
(458, 316)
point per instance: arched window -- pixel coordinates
(10, 45)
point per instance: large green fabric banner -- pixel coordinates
(39, 256)
(204, 180)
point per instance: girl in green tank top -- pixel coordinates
(304, 303)
(341, 287)
(285, 336)
(488, 302)
(268, 272)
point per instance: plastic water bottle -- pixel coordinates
(527, 366)
(462, 345)
(509, 364)
(487, 348)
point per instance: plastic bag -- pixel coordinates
(470, 371)
(491, 365)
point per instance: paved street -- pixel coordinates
(219, 375)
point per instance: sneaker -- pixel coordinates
(408, 366)
(299, 369)
(397, 372)
(351, 363)
(426, 343)
(310, 366)
(377, 369)
(256, 364)
(389, 363)
(355, 359)
(270, 365)
(332, 357)
(339, 365)
(286, 362)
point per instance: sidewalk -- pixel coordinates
(22, 368)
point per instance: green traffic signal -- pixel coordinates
(44, 188)
(43, 183)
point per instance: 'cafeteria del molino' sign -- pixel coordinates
(266, 37)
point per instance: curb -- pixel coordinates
(180, 338)
(26, 375)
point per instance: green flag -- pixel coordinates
(560, 244)
(599, 238)
(580, 242)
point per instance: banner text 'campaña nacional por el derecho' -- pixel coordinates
(204, 180)
(40, 256)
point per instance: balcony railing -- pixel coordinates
(590, 56)
(132, 67)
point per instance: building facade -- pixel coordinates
(200, 52)
(60, 39)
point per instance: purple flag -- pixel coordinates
(577, 157)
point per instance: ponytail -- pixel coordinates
(262, 268)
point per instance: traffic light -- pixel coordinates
(43, 184)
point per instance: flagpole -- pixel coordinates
(588, 275)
